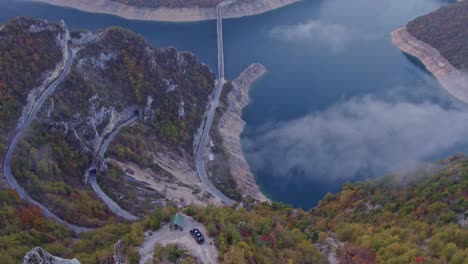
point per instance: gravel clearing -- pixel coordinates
(206, 252)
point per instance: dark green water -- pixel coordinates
(339, 102)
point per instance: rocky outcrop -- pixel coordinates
(119, 254)
(39, 256)
(452, 79)
(63, 35)
(329, 248)
(231, 126)
(171, 14)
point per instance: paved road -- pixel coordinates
(201, 150)
(92, 174)
(19, 133)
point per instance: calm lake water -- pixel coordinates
(339, 102)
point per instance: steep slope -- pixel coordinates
(35, 100)
(446, 30)
(439, 41)
(23, 227)
(420, 217)
(413, 218)
(115, 76)
(29, 52)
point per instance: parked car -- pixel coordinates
(197, 235)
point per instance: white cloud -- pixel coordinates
(335, 36)
(362, 134)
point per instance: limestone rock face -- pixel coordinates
(39, 256)
(119, 255)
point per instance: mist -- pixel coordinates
(334, 36)
(364, 135)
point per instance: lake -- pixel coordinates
(339, 102)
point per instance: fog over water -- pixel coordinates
(371, 110)
(339, 101)
(362, 136)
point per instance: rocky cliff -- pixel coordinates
(39, 256)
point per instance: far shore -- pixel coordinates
(452, 79)
(170, 14)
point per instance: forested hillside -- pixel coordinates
(27, 53)
(416, 218)
(24, 227)
(116, 75)
(420, 217)
(446, 30)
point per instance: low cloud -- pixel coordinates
(363, 135)
(334, 36)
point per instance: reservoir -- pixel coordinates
(339, 102)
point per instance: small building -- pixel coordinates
(177, 222)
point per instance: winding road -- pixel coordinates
(201, 150)
(19, 133)
(200, 164)
(92, 174)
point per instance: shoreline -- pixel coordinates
(231, 126)
(164, 14)
(450, 78)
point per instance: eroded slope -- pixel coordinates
(445, 30)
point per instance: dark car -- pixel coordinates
(197, 235)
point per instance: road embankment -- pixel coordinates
(170, 14)
(231, 126)
(453, 80)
